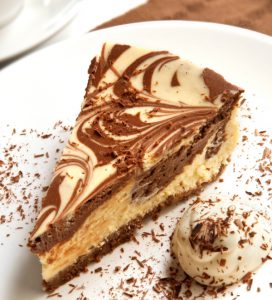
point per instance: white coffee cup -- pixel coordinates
(9, 9)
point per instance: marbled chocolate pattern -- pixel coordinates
(138, 106)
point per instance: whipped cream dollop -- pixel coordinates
(219, 242)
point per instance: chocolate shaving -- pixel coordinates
(222, 262)
(15, 179)
(53, 295)
(207, 231)
(117, 269)
(46, 136)
(266, 153)
(264, 246)
(154, 238)
(130, 295)
(247, 277)
(38, 155)
(72, 288)
(138, 261)
(239, 224)
(97, 270)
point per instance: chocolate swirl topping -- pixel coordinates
(139, 105)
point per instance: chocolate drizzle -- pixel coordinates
(52, 202)
(217, 84)
(175, 81)
(122, 84)
(101, 67)
(147, 79)
(114, 130)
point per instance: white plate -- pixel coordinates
(48, 86)
(37, 21)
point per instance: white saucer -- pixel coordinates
(48, 86)
(37, 21)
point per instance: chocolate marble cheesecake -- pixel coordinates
(153, 129)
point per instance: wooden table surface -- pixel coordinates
(251, 14)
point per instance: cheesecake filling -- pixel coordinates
(117, 211)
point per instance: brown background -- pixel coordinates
(252, 14)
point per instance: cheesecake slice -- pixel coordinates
(153, 129)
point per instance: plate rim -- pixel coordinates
(149, 24)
